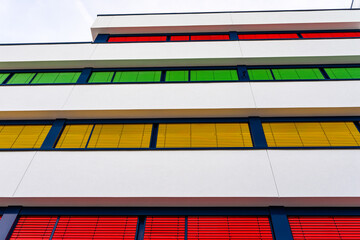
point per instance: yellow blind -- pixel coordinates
(75, 136)
(199, 135)
(311, 134)
(121, 136)
(23, 136)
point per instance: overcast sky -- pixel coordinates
(70, 20)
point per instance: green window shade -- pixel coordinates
(213, 75)
(133, 76)
(101, 77)
(177, 76)
(260, 74)
(297, 74)
(343, 73)
(3, 77)
(21, 78)
(65, 77)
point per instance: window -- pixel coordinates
(34, 227)
(331, 35)
(325, 227)
(213, 75)
(21, 78)
(125, 77)
(179, 38)
(170, 227)
(202, 135)
(138, 39)
(23, 136)
(311, 134)
(209, 37)
(177, 76)
(298, 74)
(268, 36)
(260, 74)
(231, 227)
(343, 73)
(105, 136)
(3, 77)
(63, 77)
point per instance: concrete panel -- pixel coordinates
(328, 94)
(161, 96)
(13, 166)
(316, 173)
(142, 174)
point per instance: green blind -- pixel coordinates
(101, 77)
(138, 76)
(260, 74)
(213, 75)
(65, 77)
(3, 77)
(177, 76)
(21, 78)
(297, 74)
(343, 73)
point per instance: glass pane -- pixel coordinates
(298, 74)
(21, 78)
(213, 75)
(260, 74)
(343, 73)
(177, 76)
(121, 136)
(75, 136)
(64, 77)
(101, 77)
(141, 76)
(202, 135)
(23, 136)
(3, 77)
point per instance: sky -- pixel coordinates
(29, 21)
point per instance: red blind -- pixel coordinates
(269, 36)
(179, 38)
(331, 35)
(209, 37)
(34, 227)
(310, 228)
(138, 39)
(229, 228)
(104, 227)
(160, 228)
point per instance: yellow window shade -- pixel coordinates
(23, 136)
(311, 134)
(75, 136)
(202, 135)
(121, 136)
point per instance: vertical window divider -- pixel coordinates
(186, 228)
(189, 75)
(272, 74)
(8, 221)
(300, 36)
(101, 38)
(53, 135)
(163, 76)
(54, 229)
(154, 135)
(33, 78)
(113, 77)
(324, 73)
(280, 223)
(168, 38)
(8, 78)
(233, 36)
(92, 130)
(84, 76)
(141, 228)
(357, 125)
(257, 133)
(242, 73)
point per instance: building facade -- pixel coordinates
(232, 125)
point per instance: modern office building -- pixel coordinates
(232, 125)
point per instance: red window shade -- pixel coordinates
(34, 227)
(229, 228)
(268, 36)
(331, 35)
(209, 37)
(310, 228)
(179, 38)
(104, 227)
(159, 228)
(138, 39)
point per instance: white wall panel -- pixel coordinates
(13, 166)
(316, 173)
